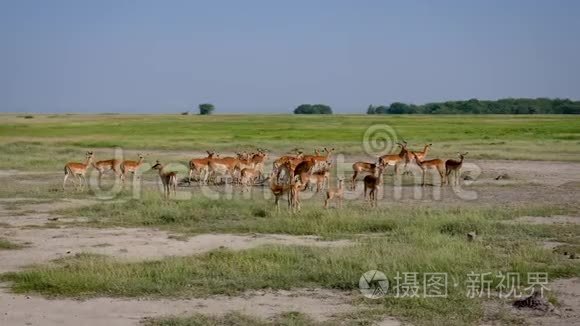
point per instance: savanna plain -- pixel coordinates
(114, 254)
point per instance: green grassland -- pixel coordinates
(47, 141)
(400, 236)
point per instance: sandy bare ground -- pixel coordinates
(550, 220)
(133, 244)
(24, 310)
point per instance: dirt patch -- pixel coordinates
(557, 219)
(131, 244)
(24, 310)
(566, 312)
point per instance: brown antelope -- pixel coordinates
(395, 159)
(278, 164)
(435, 164)
(455, 167)
(320, 160)
(169, 179)
(248, 177)
(259, 159)
(288, 167)
(244, 162)
(223, 166)
(337, 194)
(201, 165)
(78, 171)
(278, 190)
(373, 183)
(106, 165)
(362, 167)
(319, 178)
(131, 166)
(294, 195)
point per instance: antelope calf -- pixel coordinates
(337, 194)
(169, 179)
(78, 171)
(435, 164)
(454, 166)
(294, 195)
(372, 183)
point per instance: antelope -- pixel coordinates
(131, 166)
(201, 165)
(294, 195)
(372, 183)
(248, 177)
(455, 167)
(244, 162)
(278, 190)
(169, 179)
(289, 166)
(225, 166)
(319, 160)
(421, 155)
(337, 194)
(106, 165)
(437, 164)
(278, 164)
(78, 171)
(360, 167)
(259, 159)
(395, 159)
(319, 178)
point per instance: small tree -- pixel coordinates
(206, 108)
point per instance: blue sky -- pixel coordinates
(269, 56)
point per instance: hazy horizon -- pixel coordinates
(265, 57)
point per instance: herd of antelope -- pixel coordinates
(290, 175)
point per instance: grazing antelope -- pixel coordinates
(131, 166)
(337, 194)
(372, 183)
(78, 171)
(169, 179)
(362, 167)
(395, 159)
(201, 165)
(455, 167)
(106, 165)
(436, 164)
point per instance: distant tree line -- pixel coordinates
(474, 106)
(313, 109)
